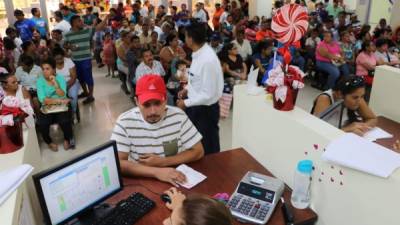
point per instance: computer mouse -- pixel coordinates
(165, 198)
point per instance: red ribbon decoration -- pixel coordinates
(285, 51)
(16, 112)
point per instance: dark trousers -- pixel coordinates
(63, 119)
(205, 119)
(97, 55)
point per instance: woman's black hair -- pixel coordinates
(8, 43)
(365, 45)
(381, 42)
(264, 45)
(169, 39)
(361, 35)
(278, 4)
(252, 24)
(58, 51)
(10, 30)
(4, 77)
(26, 45)
(50, 61)
(347, 86)
(223, 55)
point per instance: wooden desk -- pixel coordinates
(223, 170)
(392, 127)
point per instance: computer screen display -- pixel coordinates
(334, 114)
(68, 189)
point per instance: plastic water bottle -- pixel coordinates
(302, 179)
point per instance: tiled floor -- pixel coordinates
(97, 120)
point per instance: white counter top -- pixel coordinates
(29, 154)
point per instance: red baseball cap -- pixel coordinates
(151, 87)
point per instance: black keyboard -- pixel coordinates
(128, 211)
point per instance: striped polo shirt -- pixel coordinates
(137, 137)
(81, 39)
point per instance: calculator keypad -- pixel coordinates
(249, 207)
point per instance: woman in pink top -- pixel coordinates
(251, 31)
(366, 62)
(330, 60)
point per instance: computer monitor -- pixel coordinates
(76, 186)
(334, 114)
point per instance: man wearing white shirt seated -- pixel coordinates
(62, 24)
(200, 14)
(243, 45)
(204, 88)
(28, 73)
(144, 10)
(154, 137)
(149, 65)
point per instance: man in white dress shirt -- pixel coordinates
(204, 88)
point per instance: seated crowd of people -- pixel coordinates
(149, 51)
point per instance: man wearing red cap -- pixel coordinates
(154, 137)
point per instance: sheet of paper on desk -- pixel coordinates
(377, 133)
(358, 153)
(192, 176)
(11, 179)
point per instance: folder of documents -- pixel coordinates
(360, 154)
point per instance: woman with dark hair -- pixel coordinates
(11, 87)
(196, 210)
(357, 116)
(263, 57)
(384, 56)
(251, 31)
(330, 59)
(361, 37)
(66, 68)
(52, 91)
(155, 46)
(36, 38)
(233, 66)
(29, 48)
(171, 52)
(11, 54)
(122, 64)
(366, 62)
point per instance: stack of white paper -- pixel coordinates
(11, 179)
(377, 133)
(192, 176)
(358, 153)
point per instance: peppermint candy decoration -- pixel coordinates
(290, 23)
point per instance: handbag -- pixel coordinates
(371, 73)
(225, 105)
(48, 109)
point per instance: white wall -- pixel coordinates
(386, 92)
(395, 18)
(260, 8)
(380, 9)
(278, 140)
